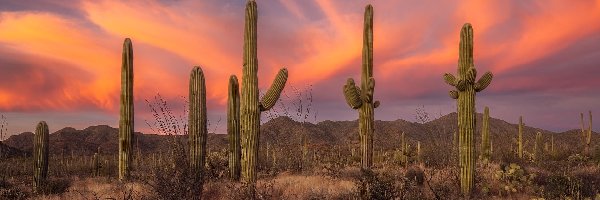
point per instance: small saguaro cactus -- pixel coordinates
(404, 149)
(126, 117)
(588, 138)
(95, 165)
(197, 125)
(537, 147)
(40, 156)
(466, 87)
(250, 106)
(583, 131)
(362, 98)
(233, 128)
(485, 136)
(520, 140)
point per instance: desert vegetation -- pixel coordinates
(289, 157)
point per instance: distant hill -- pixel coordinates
(284, 132)
(9, 152)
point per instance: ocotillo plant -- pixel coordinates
(250, 107)
(466, 87)
(520, 140)
(233, 128)
(362, 98)
(126, 118)
(40, 156)
(537, 147)
(485, 136)
(197, 126)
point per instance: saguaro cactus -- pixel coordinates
(485, 136)
(520, 140)
(40, 156)
(95, 165)
(537, 147)
(588, 138)
(362, 98)
(126, 118)
(404, 149)
(250, 106)
(197, 125)
(233, 128)
(583, 131)
(466, 87)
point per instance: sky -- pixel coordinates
(60, 62)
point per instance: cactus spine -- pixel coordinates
(250, 107)
(362, 98)
(40, 156)
(233, 128)
(126, 118)
(520, 141)
(466, 87)
(537, 147)
(485, 136)
(197, 125)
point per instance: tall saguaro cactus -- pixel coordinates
(485, 136)
(466, 87)
(126, 118)
(520, 140)
(362, 98)
(250, 106)
(40, 156)
(197, 125)
(233, 128)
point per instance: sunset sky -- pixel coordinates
(60, 62)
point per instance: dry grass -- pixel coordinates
(101, 188)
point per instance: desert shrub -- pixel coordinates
(12, 193)
(415, 174)
(513, 178)
(371, 185)
(560, 186)
(173, 179)
(56, 185)
(262, 190)
(216, 165)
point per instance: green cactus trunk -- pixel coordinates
(404, 148)
(126, 118)
(250, 107)
(40, 156)
(96, 165)
(552, 150)
(588, 138)
(583, 131)
(485, 137)
(466, 87)
(197, 126)
(233, 128)
(520, 140)
(537, 147)
(362, 98)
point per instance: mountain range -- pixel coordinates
(285, 132)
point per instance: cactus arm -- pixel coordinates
(376, 104)
(367, 95)
(272, 95)
(352, 94)
(453, 94)
(450, 79)
(483, 81)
